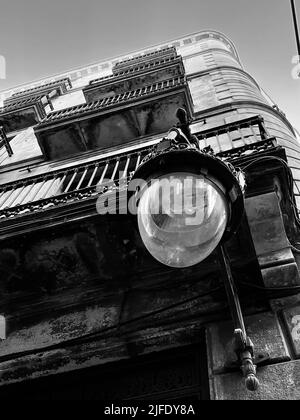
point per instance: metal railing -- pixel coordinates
(144, 66)
(39, 100)
(92, 107)
(101, 79)
(36, 90)
(148, 56)
(66, 185)
(82, 182)
(236, 134)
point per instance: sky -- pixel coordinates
(39, 38)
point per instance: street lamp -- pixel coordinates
(182, 238)
(189, 203)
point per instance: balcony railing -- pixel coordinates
(93, 107)
(144, 57)
(101, 79)
(82, 182)
(63, 84)
(148, 65)
(66, 186)
(25, 112)
(233, 135)
(143, 66)
(25, 102)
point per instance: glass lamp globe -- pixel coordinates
(182, 218)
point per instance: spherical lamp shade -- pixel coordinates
(182, 218)
(188, 203)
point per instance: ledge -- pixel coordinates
(89, 109)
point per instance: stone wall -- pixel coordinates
(279, 376)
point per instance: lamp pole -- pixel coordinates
(295, 21)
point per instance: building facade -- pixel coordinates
(87, 312)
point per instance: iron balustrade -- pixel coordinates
(101, 79)
(144, 66)
(232, 135)
(40, 101)
(148, 56)
(66, 185)
(82, 182)
(93, 107)
(65, 84)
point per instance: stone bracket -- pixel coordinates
(273, 249)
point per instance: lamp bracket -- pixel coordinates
(259, 361)
(243, 345)
(244, 350)
(179, 151)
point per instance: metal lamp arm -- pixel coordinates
(243, 346)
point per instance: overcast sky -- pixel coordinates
(43, 37)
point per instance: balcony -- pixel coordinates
(24, 112)
(66, 186)
(146, 73)
(114, 120)
(136, 61)
(59, 87)
(228, 138)
(78, 187)
(141, 63)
